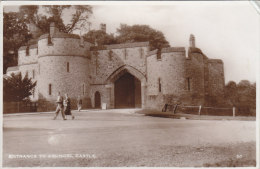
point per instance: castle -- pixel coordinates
(120, 75)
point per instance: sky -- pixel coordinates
(223, 30)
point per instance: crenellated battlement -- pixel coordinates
(65, 63)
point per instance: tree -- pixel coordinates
(16, 88)
(54, 13)
(100, 37)
(15, 34)
(230, 93)
(141, 33)
(242, 96)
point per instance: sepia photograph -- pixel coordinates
(130, 84)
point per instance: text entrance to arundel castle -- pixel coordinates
(127, 92)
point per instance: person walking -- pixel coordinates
(60, 107)
(66, 103)
(79, 103)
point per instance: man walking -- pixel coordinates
(60, 107)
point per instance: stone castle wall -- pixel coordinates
(216, 77)
(168, 71)
(195, 71)
(62, 46)
(28, 59)
(106, 61)
(96, 68)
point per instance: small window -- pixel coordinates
(125, 53)
(159, 54)
(160, 85)
(141, 52)
(49, 89)
(188, 83)
(27, 51)
(68, 67)
(33, 93)
(83, 89)
(33, 73)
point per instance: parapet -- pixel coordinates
(30, 47)
(166, 50)
(215, 61)
(60, 35)
(153, 52)
(120, 46)
(13, 68)
(173, 49)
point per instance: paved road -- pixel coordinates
(121, 138)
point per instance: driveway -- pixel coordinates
(107, 138)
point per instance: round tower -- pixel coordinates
(63, 66)
(173, 71)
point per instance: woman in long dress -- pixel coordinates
(67, 108)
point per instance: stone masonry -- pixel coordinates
(66, 63)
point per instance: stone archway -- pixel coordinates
(127, 92)
(123, 75)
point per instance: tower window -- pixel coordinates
(68, 67)
(49, 89)
(188, 83)
(160, 85)
(141, 52)
(27, 51)
(83, 89)
(125, 53)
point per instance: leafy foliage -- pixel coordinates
(99, 37)
(54, 13)
(242, 96)
(141, 33)
(128, 34)
(16, 88)
(15, 34)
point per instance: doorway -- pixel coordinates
(97, 100)
(127, 92)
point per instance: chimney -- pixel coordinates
(103, 27)
(192, 41)
(53, 29)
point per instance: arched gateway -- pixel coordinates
(127, 92)
(126, 88)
